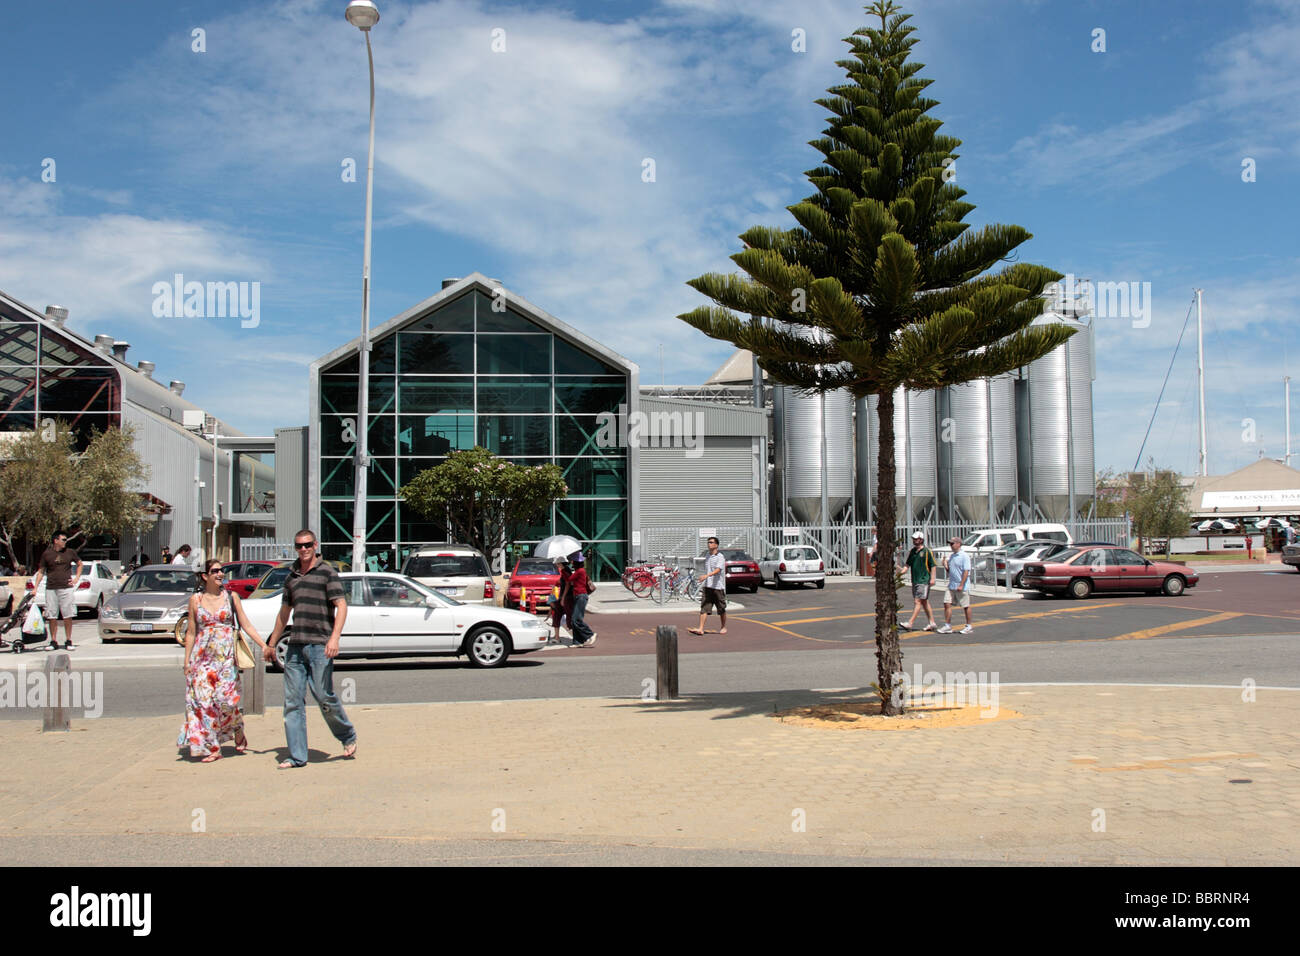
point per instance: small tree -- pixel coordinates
(1159, 504)
(484, 500)
(45, 485)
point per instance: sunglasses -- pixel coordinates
(299, 545)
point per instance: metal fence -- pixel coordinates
(841, 543)
(265, 550)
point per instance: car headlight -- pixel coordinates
(110, 611)
(174, 615)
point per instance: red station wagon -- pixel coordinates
(534, 574)
(1080, 571)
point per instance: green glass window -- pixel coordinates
(433, 353)
(570, 360)
(514, 354)
(578, 436)
(415, 527)
(408, 468)
(337, 478)
(434, 434)
(436, 396)
(592, 519)
(382, 394)
(597, 477)
(454, 316)
(590, 397)
(381, 522)
(335, 429)
(508, 435)
(514, 395)
(383, 356)
(507, 320)
(338, 394)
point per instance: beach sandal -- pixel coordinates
(241, 745)
(212, 757)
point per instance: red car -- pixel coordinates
(536, 575)
(242, 576)
(742, 570)
(1080, 571)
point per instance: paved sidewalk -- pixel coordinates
(1158, 767)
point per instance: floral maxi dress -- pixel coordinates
(212, 687)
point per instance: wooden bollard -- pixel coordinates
(255, 684)
(58, 675)
(666, 661)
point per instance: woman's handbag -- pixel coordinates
(244, 658)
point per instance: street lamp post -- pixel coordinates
(363, 15)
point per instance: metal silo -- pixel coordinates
(799, 421)
(981, 439)
(915, 451)
(1055, 415)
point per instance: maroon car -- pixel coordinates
(537, 575)
(742, 570)
(1080, 571)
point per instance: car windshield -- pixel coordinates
(275, 578)
(800, 554)
(1062, 556)
(970, 539)
(162, 581)
(736, 554)
(445, 566)
(536, 566)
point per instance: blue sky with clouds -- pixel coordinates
(226, 165)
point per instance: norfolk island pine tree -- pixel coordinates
(880, 284)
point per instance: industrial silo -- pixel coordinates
(1054, 412)
(977, 432)
(799, 421)
(915, 451)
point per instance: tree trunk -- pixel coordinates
(889, 655)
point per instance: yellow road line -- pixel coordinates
(786, 610)
(1181, 626)
(802, 637)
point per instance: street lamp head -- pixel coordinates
(362, 14)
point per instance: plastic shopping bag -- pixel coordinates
(34, 624)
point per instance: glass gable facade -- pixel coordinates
(467, 374)
(45, 375)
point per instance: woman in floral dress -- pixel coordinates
(212, 687)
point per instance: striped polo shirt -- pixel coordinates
(311, 595)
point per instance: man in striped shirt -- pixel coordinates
(313, 593)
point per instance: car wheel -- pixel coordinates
(281, 653)
(1174, 585)
(488, 647)
(821, 583)
(99, 606)
(1018, 580)
(753, 589)
(776, 581)
(1080, 588)
(178, 631)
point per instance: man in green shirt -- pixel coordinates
(922, 563)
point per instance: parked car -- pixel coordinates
(272, 581)
(1291, 555)
(455, 570)
(742, 570)
(394, 616)
(532, 574)
(6, 600)
(151, 603)
(1046, 532)
(1011, 566)
(1080, 571)
(97, 585)
(793, 564)
(989, 539)
(242, 577)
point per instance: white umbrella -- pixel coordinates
(1205, 526)
(557, 546)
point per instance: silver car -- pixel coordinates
(151, 603)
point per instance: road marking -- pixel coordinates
(1157, 631)
(802, 637)
(786, 610)
(846, 617)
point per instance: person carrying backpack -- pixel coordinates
(922, 564)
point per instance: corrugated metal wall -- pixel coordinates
(290, 482)
(714, 488)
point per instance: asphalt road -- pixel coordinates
(1233, 627)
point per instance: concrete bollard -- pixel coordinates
(666, 662)
(255, 685)
(58, 675)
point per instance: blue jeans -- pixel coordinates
(578, 623)
(306, 665)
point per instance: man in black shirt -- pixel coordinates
(55, 566)
(313, 593)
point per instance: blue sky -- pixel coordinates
(225, 165)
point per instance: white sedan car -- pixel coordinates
(98, 584)
(394, 616)
(793, 564)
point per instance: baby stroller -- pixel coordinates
(17, 642)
